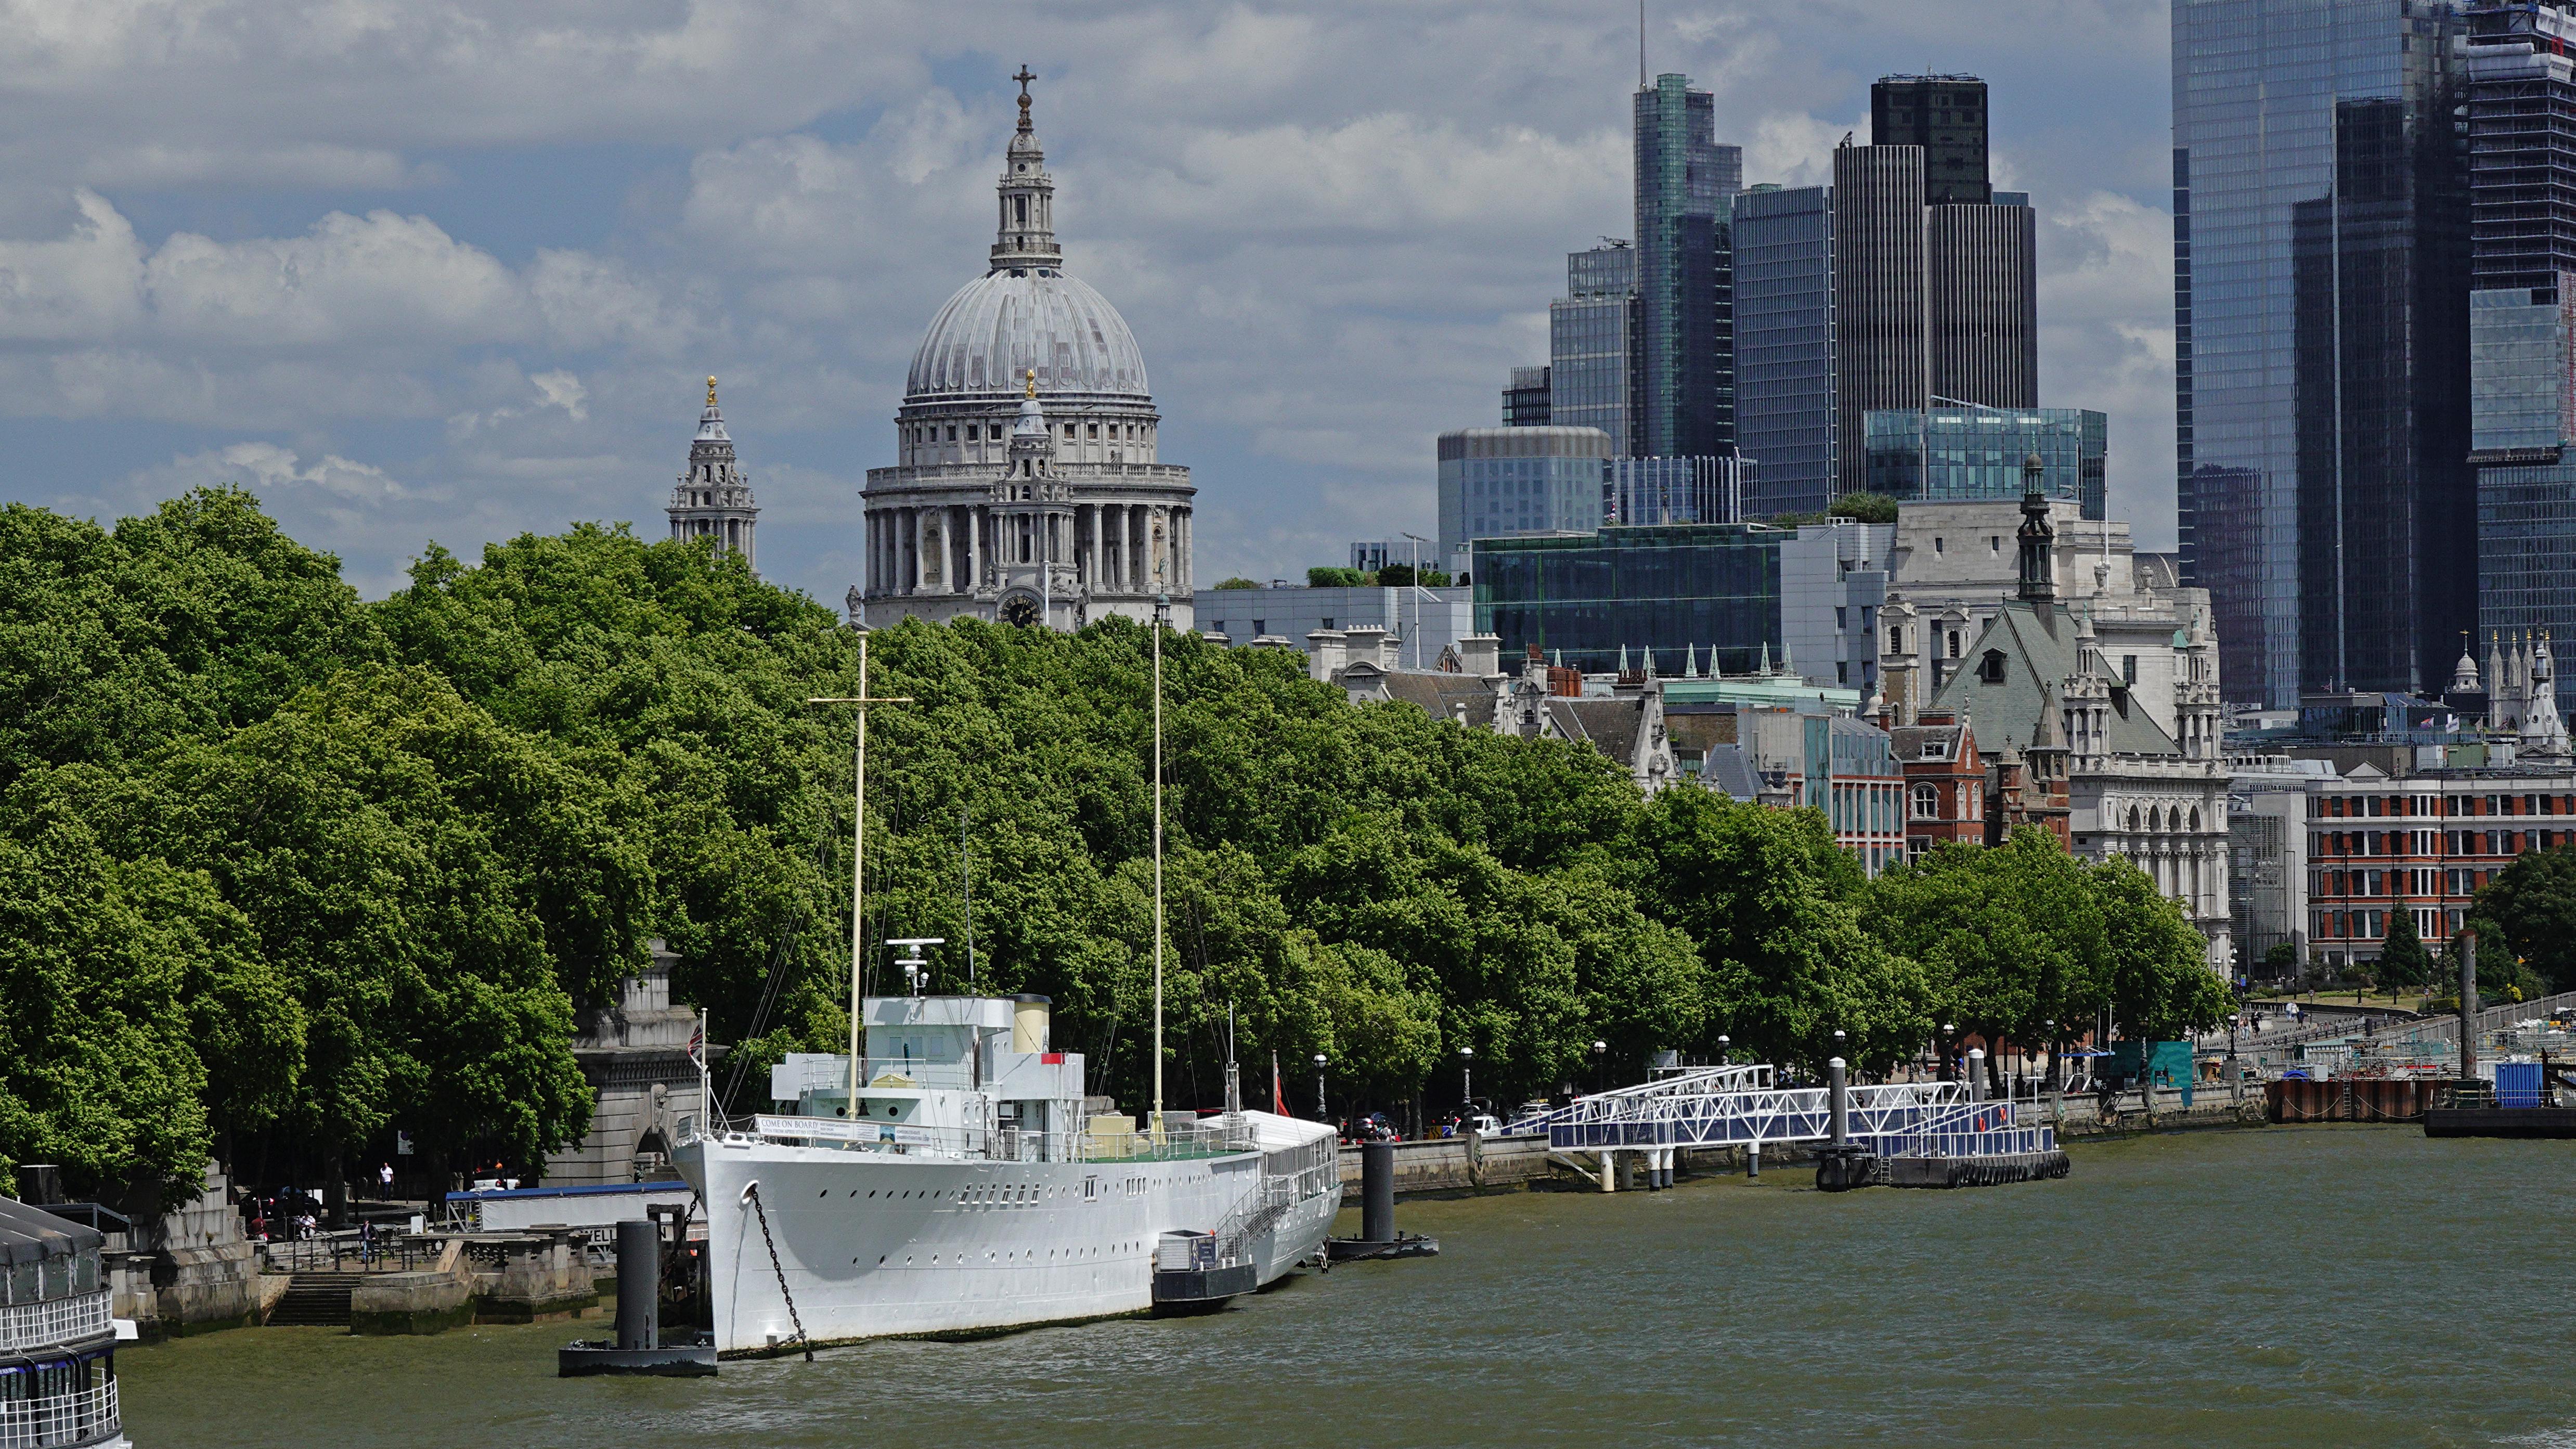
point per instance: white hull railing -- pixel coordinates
(1185, 1140)
(55, 1321)
(83, 1416)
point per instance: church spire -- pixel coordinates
(713, 499)
(2038, 539)
(1025, 238)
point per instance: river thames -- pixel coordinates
(2314, 1286)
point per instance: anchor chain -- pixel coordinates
(753, 1192)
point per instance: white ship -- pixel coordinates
(968, 1192)
(943, 1177)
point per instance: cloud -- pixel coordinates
(1333, 230)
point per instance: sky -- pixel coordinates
(451, 271)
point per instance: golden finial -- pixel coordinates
(1033, 382)
(711, 389)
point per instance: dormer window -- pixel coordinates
(1990, 669)
(1931, 749)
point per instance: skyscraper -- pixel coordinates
(1882, 306)
(1591, 333)
(1684, 180)
(1946, 116)
(2320, 317)
(1936, 283)
(1525, 400)
(1784, 346)
(2522, 319)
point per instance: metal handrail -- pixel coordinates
(55, 1321)
(79, 1417)
(1010, 1144)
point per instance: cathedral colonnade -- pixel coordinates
(957, 547)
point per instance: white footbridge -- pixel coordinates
(1746, 1107)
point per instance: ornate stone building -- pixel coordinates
(1027, 489)
(2127, 745)
(713, 499)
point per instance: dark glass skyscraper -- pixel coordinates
(2321, 277)
(1686, 365)
(2522, 318)
(1936, 281)
(1946, 116)
(2522, 144)
(1784, 347)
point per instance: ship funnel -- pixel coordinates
(1029, 1022)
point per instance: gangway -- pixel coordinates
(1746, 1106)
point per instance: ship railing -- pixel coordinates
(1977, 1129)
(53, 1321)
(1007, 1144)
(83, 1416)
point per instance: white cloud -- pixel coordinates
(1332, 229)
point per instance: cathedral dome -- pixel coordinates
(1001, 325)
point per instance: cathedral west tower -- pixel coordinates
(713, 499)
(1026, 488)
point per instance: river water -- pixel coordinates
(2317, 1286)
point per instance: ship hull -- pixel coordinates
(872, 1245)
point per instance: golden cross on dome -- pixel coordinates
(1024, 77)
(1033, 382)
(711, 389)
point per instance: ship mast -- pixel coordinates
(858, 855)
(1162, 605)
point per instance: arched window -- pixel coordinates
(2133, 819)
(1927, 801)
(2195, 820)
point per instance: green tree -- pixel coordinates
(1334, 578)
(1771, 902)
(2009, 938)
(1864, 508)
(2157, 976)
(2529, 911)
(2403, 961)
(194, 620)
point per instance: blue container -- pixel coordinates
(2517, 1084)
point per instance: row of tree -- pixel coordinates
(286, 870)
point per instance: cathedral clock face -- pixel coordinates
(1020, 609)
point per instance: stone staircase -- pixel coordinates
(315, 1300)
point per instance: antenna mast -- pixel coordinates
(858, 855)
(1162, 603)
(1641, 44)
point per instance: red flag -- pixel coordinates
(1278, 1102)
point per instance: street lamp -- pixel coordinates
(1416, 592)
(1321, 1115)
(1467, 1076)
(1725, 1050)
(1600, 1055)
(1838, 1044)
(2049, 1025)
(1947, 1032)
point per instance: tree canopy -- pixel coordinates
(288, 867)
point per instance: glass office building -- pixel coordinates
(1525, 401)
(1784, 346)
(2321, 278)
(1591, 331)
(1636, 492)
(1711, 589)
(1501, 482)
(2522, 365)
(1946, 116)
(1686, 388)
(1980, 452)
